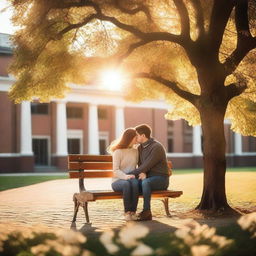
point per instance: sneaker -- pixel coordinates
(127, 216)
(134, 216)
(145, 215)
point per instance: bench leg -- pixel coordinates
(86, 212)
(166, 206)
(76, 208)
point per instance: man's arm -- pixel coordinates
(155, 156)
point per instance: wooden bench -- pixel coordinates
(100, 166)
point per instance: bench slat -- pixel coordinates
(104, 195)
(90, 174)
(90, 166)
(90, 158)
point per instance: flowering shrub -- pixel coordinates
(201, 240)
(248, 222)
(40, 240)
(134, 239)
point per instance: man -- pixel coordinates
(152, 168)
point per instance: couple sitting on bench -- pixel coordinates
(140, 170)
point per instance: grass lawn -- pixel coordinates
(240, 187)
(8, 182)
(199, 170)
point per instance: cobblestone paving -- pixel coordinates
(50, 203)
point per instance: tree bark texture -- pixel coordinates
(214, 160)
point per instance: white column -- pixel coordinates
(119, 118)
(61, 129)
(93, 130)
(25, 129)
(238, 144)
(197, 140)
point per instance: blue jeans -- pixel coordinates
(130, 189)
(149, 184)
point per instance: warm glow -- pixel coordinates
(112, 80)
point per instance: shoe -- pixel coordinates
(127, 216)
(145, 215)
(134, 216)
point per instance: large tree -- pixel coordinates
(197, 54)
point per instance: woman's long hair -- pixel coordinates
(124, 141)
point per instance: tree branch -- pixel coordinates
(199, 17)
(75, 26)
(146, 37)
(140, 8)
(192, 98)
(82, 3)
(153, 36)
(131, 48)
(245, 41)
(221, 11)
(234, 90)
(184, 18)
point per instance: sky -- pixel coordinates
(5, 23)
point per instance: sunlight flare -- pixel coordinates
(112, 79)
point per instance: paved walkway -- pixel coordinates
(50, 203)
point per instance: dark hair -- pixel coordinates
(124, 142)
(144, 129)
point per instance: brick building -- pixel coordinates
(36, 136)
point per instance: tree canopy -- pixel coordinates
(157, 44)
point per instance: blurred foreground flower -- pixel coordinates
(107, 240)
(41, 240)
(201, 250)
(248, 222)
(130, 234)
(142, 250)
(201, 239)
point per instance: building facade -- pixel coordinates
(39, 136)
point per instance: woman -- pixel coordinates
(125, 159)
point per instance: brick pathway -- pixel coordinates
(50, 203)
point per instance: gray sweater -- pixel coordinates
(152, 159)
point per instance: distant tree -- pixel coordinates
(198, 54)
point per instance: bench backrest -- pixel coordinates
(92, 166)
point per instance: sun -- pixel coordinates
(112, 79)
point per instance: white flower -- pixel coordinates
(142, 250)
(248, 221)
(70, 236)
(107, 240)
(221, 241)
(131, 233)
(201, 250)
(182, 232)
(87, 253)
(41, 248)
(54, 244)
(69, 250)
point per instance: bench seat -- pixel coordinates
(110, 194)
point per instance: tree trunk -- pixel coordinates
(214, 145)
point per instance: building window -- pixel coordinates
(74, 146)
(188, 137)
(74, 112)
(170, 125)
(103, 142)
(40, 149)
(249, 144)
(252, 144)
(39, 108)
(103, 147)
(102, 113)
